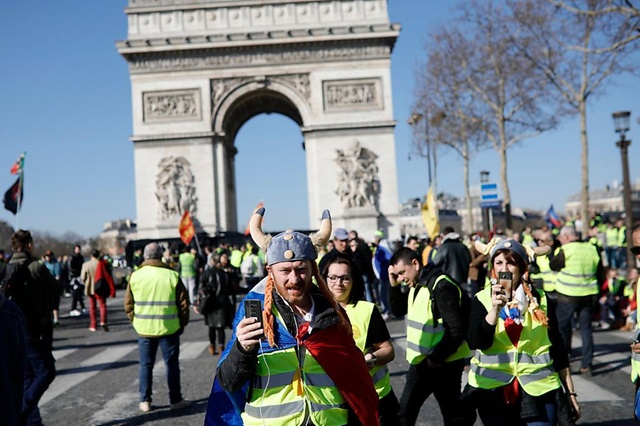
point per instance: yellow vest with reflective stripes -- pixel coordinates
(547, 276)
(187, 265)
(155, 310)
(423, 333)
(530, 362)
(284, 391)
(635, 361)
(360, 317)
(578, 277)
(611, 237)
(622, 236)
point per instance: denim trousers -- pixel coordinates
(40, 372)
(583, 307)
(13, 361)
(170, 346)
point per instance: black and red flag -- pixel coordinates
(14, 196)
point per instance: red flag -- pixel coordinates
(19, 164)
(260, 205)
(187, 230)
(13, 197)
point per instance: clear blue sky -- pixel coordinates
(66, 100)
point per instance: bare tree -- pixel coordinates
(512, 93)
(577, 49)
(443, 91)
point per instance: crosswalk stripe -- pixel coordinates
(101, 361)
(58, 354)
(115, 408)
(188, 350)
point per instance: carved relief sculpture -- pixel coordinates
(222, 86)
(171, 105)
(358, 183)
(343, 95)
(175, 188)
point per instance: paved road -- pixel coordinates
(97, 382)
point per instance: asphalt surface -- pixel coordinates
(97, 381)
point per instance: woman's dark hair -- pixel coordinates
(357, 287)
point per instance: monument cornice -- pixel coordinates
(172, 137)
(147, 6)
(338, 50)
(349, 126)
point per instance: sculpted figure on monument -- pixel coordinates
(175, 188)
(358, 184)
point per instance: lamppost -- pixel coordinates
(621, 123)
(484, 178)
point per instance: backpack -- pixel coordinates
(248, 266)
(34, 300)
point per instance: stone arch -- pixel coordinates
(247, 99)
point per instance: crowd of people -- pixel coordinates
(316, 352)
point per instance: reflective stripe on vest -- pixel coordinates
(286, 393)
(422, 333)
(578, 277)
(547, 276)
(155, 310)
(530, 362)
(360, 317)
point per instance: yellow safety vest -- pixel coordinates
(635, 361)
(622, 236)
(423, 333)
(578, 277)
(611, 237)
(360, 317)
(547, 276)
(155, 311)
(187, 265)
(530, 362)
(285, 391)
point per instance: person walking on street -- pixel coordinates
(520, 372)
(380, 263)
(580, 276)
(308, 360)
(92, 272)
(187, 260)
(453, 257)
(369, 330)
(52, 264)
(216, 301)
(28, 284)
(157, 304)
(437, 322)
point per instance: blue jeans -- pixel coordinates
(370, 292)
(383, 294)
(13, 361)
(170, 346)
(41, 370)
(583, 306)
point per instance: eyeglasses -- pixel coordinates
(635, 250)
(346, 279)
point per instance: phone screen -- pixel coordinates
(504, 279)
(253, 309)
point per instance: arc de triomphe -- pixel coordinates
(200, 69)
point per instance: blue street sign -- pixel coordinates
(490, 204)
(489, 195)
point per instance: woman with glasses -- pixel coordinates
(369, 330)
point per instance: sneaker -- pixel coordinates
(74, 313)
(92, 329)
(67, 294)
(385, 316)
(105, 327)
(145, 406)
(180, 404)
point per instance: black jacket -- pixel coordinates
(453, 258)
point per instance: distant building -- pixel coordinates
(115, 235)
(608, 201)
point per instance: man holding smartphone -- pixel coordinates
(307, 368)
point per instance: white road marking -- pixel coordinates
(101, 361)
(58, 354)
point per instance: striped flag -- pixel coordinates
(552, 219)
(19, 164)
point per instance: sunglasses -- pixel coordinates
(635, 250)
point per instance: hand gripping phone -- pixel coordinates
(253, 309)
(504, 279)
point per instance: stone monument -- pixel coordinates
(200, 69)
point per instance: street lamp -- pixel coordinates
(486, 223)
(414, 120)
(621, 123)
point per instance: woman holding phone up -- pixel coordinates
(520, 371)
(369, 330)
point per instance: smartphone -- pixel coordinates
(636, 339)
(504, 279)
(253, 309)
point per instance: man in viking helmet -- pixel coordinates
(303, 366)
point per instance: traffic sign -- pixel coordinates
(489, 195)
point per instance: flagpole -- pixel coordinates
(20, 177)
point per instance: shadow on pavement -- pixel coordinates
(162, 412)
(97, 367)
